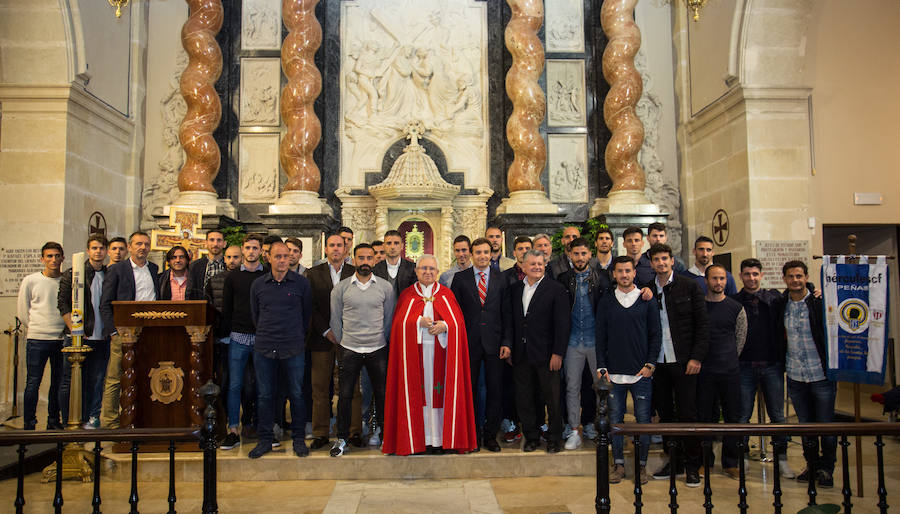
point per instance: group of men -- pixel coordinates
(448, 362)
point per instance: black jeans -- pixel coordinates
(675, 398)
(350, 365)
(493, 378)
(727, 387)
(530, 378)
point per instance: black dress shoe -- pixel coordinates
(491, 445)
(356, 440)
(318, 442)
(554, 447)
(531, 445)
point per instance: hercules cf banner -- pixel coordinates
(856, 314)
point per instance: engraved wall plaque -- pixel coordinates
(260, 92)
(564, 30)
(567, 168)
(565, 93)
(261, 25)
(259, 171)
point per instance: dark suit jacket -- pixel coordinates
(688, 317)
(489, 325)
(558, 265)
(196, 276)
(406, 275)
(543, 330)
(118, 285)
(320, 281)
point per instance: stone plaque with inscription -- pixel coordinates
(16, 264)
(773, 255)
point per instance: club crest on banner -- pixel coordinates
(854, 315)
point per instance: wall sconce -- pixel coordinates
(119, 4)
(694, 5)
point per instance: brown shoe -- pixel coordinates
(616, 474)
(645, 477)
(733, 473)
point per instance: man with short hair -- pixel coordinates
(628, 341)
(118, 250)
(498, 260)
(394, 268)
(657, 234)
(481, 293)
(347, 234)
(238, 317)
(521, 245)
(95, 361)
(215, 294)
(208, 266)
(541, 323)
(543, 243)
(685, 341)
(761, 363)
(281, 304)
(703, 259)
(37, 310)
(378, 247)
(633, 241)
(266, 245)
(173, 284)
(720, 375)
(562, 262)
(604, 244)
(801, 330)
(362, 308)
(462, 253)
(323, 344)
(134, 279)
(295, 245)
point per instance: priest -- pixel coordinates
(428, 405)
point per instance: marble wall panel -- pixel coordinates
(261, 25)
(564, 25)
(565, 93)
(259, 172)
(260, 87)
(567, 168)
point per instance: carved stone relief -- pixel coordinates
(258, 168)
(260, 85)
(413, 60)
(567, 168)
(469, 221)
(565, 92)
(362, 221)
(261, 25)
(564, 26)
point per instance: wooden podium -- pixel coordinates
(166, 357)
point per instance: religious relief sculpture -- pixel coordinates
(567, 168)
(260, 80)
(304, 83)
(198, 36)
(565, 26)
(565, 87)
(617, 20)
(260, 25)
(522, 129)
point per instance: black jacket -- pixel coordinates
(543, 330)
(489, 325)
(406, 275)
(165, 288)
(687, 315)
(215, 290)
(817, 325)
(196, 276)
(118, 285)
(598, 284)
(558, 265)
(319, 277)
(64, 299)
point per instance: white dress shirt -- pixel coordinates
(528, 292)
(626, 300)
(143, 283)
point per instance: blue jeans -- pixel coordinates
(238, 356)
(814, 403)
(267, 372)
(93, 375)
(641, 392)
(37, 353)
(770, 378)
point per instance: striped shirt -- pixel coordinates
(803, 364)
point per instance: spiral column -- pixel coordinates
(198, 36)
(529, 107)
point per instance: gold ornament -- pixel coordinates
(166, 383)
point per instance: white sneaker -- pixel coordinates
(590, 432)
(309, 434)
(375, 438)
(567, 431)
(785, 468)
(573, 442)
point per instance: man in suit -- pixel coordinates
(134, 279)
(204, 268)
(562, 263)
(323, 344)
(516, 273)
(480, 291)
(394, 268)
(541, 320)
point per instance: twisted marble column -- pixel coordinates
(625, 87)
(304, 84)
(529, 104)
(198, 36)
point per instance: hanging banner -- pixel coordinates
(856, 314)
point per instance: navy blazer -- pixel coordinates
(489, 325)
(543, 330)
(118, 285)
(406, 275)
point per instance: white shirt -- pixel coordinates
(392, 269)
(667, 349)
(626, 300)
(335, 275)
(695, 270)
(360, 285)
(528, 292)
(144, 291)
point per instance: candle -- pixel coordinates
(503, 244)
(323, 244)
(77, 297)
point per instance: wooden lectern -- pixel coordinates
(166, 357)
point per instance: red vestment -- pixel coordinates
(404, 430)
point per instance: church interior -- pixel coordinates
(766, 125)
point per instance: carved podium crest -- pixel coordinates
(166, 383)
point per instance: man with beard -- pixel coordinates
(173, 284)
(703, 259)
(563, 262)
(394, 268)
(204, 268)
(362, 307)
(378, 246)
(521, 245)
(295, 246)
(498, 260)
(603, 243)
(428, 405)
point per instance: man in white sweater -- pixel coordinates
(37, 309)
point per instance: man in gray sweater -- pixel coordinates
(362, 307)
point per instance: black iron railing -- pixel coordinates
(707, 431)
